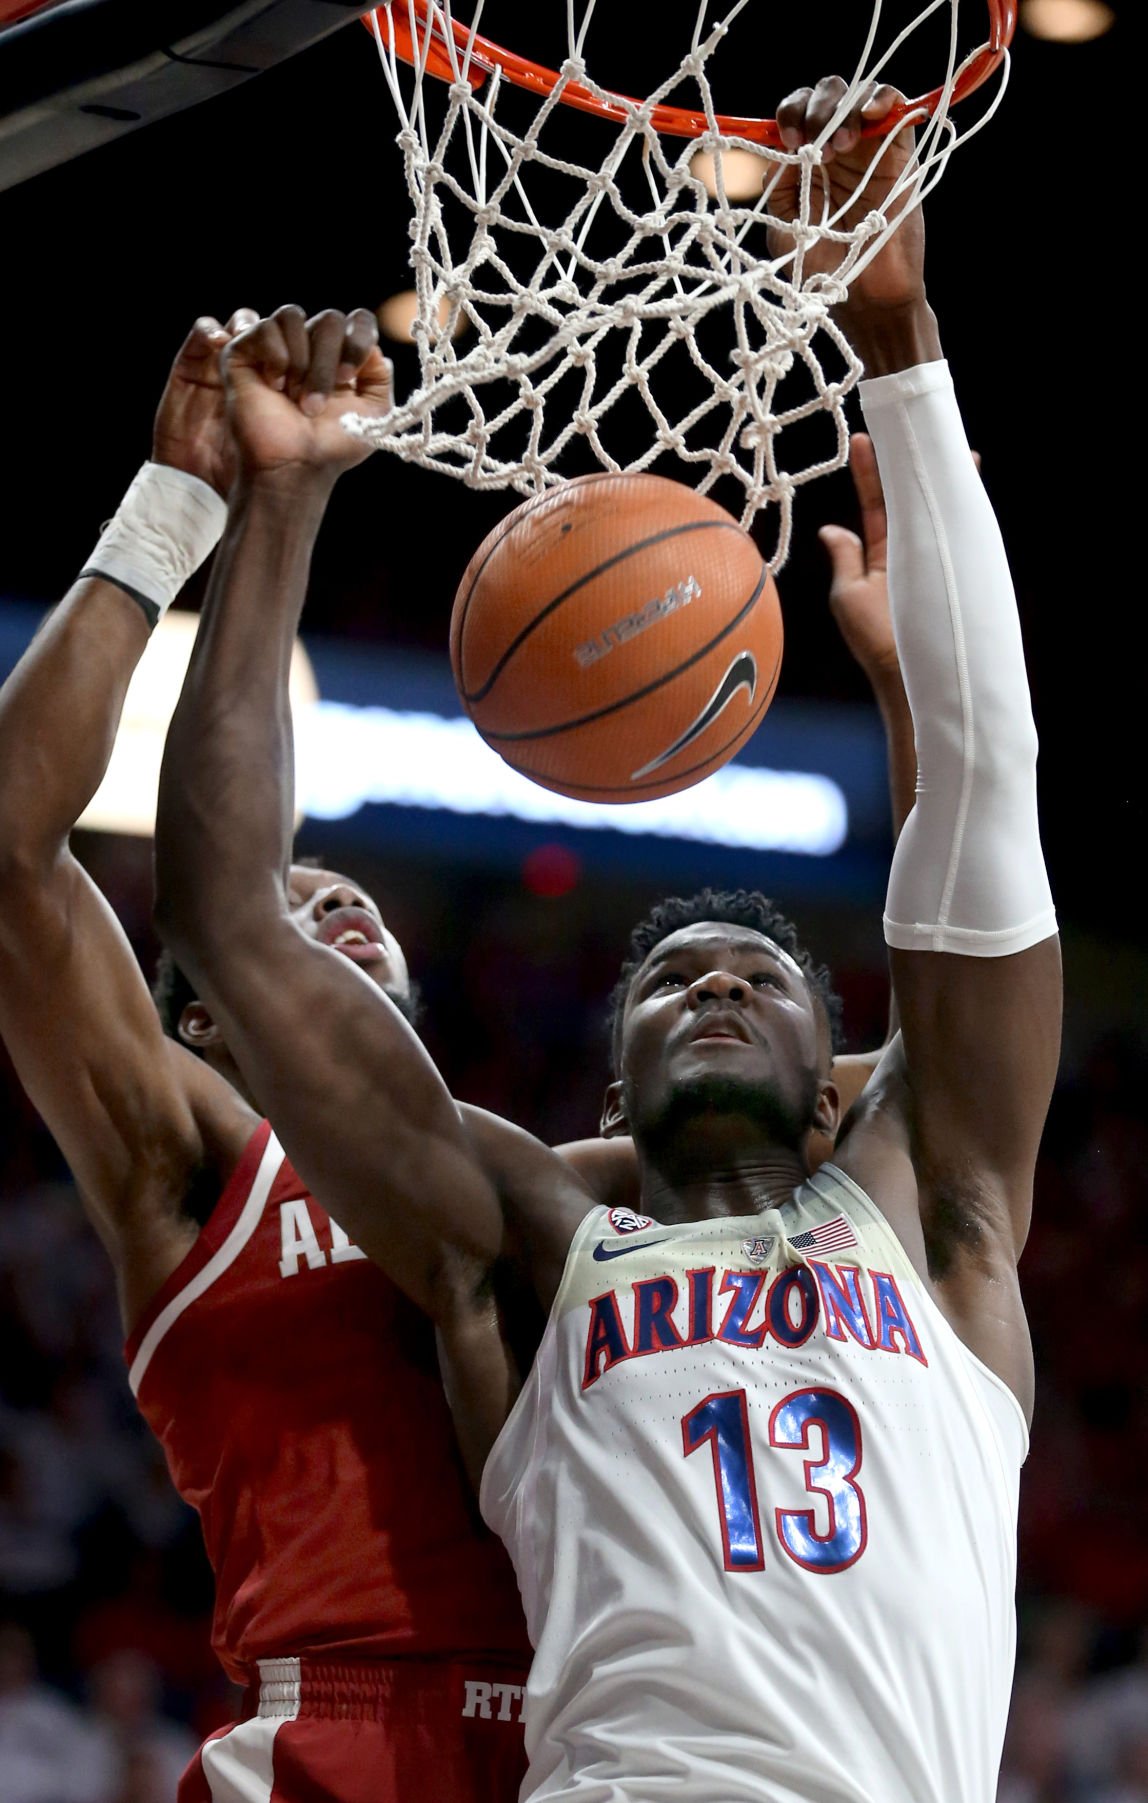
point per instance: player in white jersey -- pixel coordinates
(754, 1449)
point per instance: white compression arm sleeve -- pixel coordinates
(968, 874)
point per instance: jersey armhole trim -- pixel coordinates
(970, 1357)
(526, 1395)
(233, 1221)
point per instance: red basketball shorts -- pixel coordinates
(395, 1731)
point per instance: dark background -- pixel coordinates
(289, 189)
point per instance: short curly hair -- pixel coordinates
(735, 907)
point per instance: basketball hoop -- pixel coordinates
(567, 308)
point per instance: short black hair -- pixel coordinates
(171, 992)
(734, 907)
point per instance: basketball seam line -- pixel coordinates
(613, 707)
(657, 782)
(643, 544)
(503, 530)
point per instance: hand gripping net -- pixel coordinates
(655, 293)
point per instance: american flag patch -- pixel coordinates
(830, 1236)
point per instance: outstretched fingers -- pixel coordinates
(870, 497)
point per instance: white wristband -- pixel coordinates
(164, 527)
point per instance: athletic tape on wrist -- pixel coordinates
(164, 527)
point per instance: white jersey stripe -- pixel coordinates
(227, 1254)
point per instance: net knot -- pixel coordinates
(825, 291)
(460, 91)
(760, 433)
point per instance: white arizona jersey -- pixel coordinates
(762, 1505)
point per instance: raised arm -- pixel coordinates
(360, 1108)
(134, 1115)
(859, 602)
(969, 917)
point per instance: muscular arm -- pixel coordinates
(127, 1107)
(969, 919)
(358, 1104)
(948, 1133)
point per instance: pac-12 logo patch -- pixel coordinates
(624, 1220)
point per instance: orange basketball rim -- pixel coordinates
(484, 57)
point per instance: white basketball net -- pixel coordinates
(533, 332)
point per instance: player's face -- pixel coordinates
(720, 1019)
(330, 908)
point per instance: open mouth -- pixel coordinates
(723, 1027)
(353, 932)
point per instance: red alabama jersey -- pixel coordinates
(297, 1396)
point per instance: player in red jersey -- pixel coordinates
(374, 1623)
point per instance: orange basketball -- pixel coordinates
(616, 638)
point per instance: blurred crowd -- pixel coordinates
(107, 1682)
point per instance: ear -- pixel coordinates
(613, 1123)
(197, 1029)
(827, 1113)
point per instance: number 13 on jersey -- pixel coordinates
(819, 1423)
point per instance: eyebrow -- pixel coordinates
(760, 947)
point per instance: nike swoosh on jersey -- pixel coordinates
(602, 1250)
(742, 674)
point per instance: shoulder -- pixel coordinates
(180, 1178)
(544, 1196)
(608, 1167)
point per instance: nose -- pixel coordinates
(339, 895)
(716, 986)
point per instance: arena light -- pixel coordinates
(348, 756)
(397, 315)
(743, 172)
(125, 800)
(1066, 21)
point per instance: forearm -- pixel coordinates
(891, 338)
(60, 708)
(59, 711)
(226, 809)
(968, 875)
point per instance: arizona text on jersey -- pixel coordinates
(762, 1505)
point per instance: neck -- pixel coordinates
(738, 1187)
